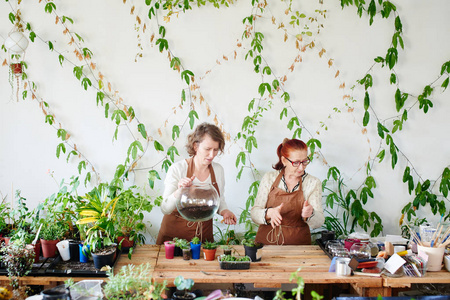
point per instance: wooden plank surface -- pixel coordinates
(274, 269)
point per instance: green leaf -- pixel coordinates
(59, 148)
(100, 96)
(393, 79)
(49, 119)
(250, 143)
(283, 113)
(240, 159)
(162, 31)
(78, 72)
(250, 105)
(366, 118)
(381, 155)
(293, 121)
(267, 70)
(158, 146)
(286, 96)
(186, 75)
(73, 152)
(445, 83)
(192, 115)
(120, 170)
(175, 63)
(175, 132)
(85, 82)
(171, 152)
(81, 165)
(64, 19)
(152, 176)
(12, 17)
(88, 178)
(183, 96)
(391, 57)
(49, 7)
(275, 84)
(398, 24)
(381, 130)
(50, 46)
(148, 2)
(366, 101)
(297, 133)
(141, 129)
(166, 164)
(32, 36)
(61, 59)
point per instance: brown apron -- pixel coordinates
(293, 230)
(174, 225)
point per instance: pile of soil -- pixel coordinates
(198, 212)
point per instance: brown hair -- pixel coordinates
(198, 135)
(286, 147)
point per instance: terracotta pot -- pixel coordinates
(209, 254)
(16, 68)
(37, 251)
(126, 243)
(49, 248)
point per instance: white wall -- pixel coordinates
(201, 38)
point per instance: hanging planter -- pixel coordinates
(16, 69)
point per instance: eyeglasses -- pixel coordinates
(295, 164)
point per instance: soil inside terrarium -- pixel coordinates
(198, 212)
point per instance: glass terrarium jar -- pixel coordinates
(198, 202)
(360, 251)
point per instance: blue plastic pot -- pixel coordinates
(195, 250)
(84, 255)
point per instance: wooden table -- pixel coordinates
(273, 271)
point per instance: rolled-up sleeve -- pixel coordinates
(173, 176)
(258, 211)
(312, 190)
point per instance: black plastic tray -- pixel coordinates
(322, 246)
(38, 269)
(75, 269)
(233, 265)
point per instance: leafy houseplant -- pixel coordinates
(183, 286)
(185, 248)
(209, 250)
(130, 209)
(133, 282)
(51, 233)
(18, 258)
(99, 216)
(251, 247)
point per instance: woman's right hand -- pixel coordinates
(185, 182)
(274, 215)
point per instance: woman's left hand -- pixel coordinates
(307, 210)
(228, 217)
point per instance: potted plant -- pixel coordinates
(29, 239)
(133, 282)
(18, 258)
(169, 248)
(227, 249)
(98, 213)
(209, 250)
(183, 288)
(178, 242)
(130, 209)
(195, 247)
(251, 248)
(52, 232)
(185, 248)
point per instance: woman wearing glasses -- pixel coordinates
(289, 200)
